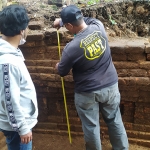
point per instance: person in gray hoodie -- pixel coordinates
(18, 102)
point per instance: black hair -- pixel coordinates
(13, 19)
(77, 22)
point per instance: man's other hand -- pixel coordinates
(57, 23)
(25, 139)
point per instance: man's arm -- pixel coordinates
(64, 66)
(12, 102)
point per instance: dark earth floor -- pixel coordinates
(57, 142)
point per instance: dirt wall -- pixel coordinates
(132, 61)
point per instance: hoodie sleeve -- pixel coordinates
(13, 109)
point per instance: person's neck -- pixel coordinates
(81, 28)
(14, 41)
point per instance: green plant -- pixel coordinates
(91, 2)
(54, 7)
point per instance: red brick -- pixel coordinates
(128, 88)
(120, 57)
(144, 94)
(32, 69)
(37, 50)
(137, 72)
(28, 44)
(35, 25)
(129, 99)
(148, 57)
(30, 62)
(129, 93)
(122, 72)
(126, 65)
(147, 48)
(33, 56)
(35, 36)
(136, 57)
(142, 81)
(144, 65)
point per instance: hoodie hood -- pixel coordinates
(7, 48)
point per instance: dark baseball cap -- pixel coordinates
(70, 14)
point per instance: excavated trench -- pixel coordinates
(128, 28)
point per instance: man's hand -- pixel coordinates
(56, 67)
(57, 23)
(25, 139)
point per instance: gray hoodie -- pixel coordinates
(18, 109)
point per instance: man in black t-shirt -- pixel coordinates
(95, 77)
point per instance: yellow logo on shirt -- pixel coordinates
(94, 45)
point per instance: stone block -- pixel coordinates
(145, 94)
(136, 57)
(35, 37)
(122, 81)
(56, 119)
(32, 69)
(28, 44)
(122, 72)
(40, 43)
(46, 70)
(126, 65)
(52, 52)
(137, 73)
(128, 88)
(34, 50)
(129, 99)
(130, 93)
(148, 57)
(33, 56)
(120, 57)
(35, 25)
(46, 77)
(43, 109)
(46, 89)
(127, 119)
(30, 62)
(135, 49)
(68, 78)
(147, 48)
(142, 81)
(120, 50)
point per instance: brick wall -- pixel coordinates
(131, 58)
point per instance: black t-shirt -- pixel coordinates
(89, 56)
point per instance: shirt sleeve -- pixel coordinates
(65, 65)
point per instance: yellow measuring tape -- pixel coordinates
(63, 88)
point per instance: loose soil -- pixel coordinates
(57, 142)
(123, 19)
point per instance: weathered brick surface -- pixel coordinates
(126, 65)
(147, 48)
(130, 59)
(148, 57)
(35, 25)
(35, 37)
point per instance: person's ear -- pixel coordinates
(70, 25)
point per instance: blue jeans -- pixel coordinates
(14, 142)
(106, 101)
